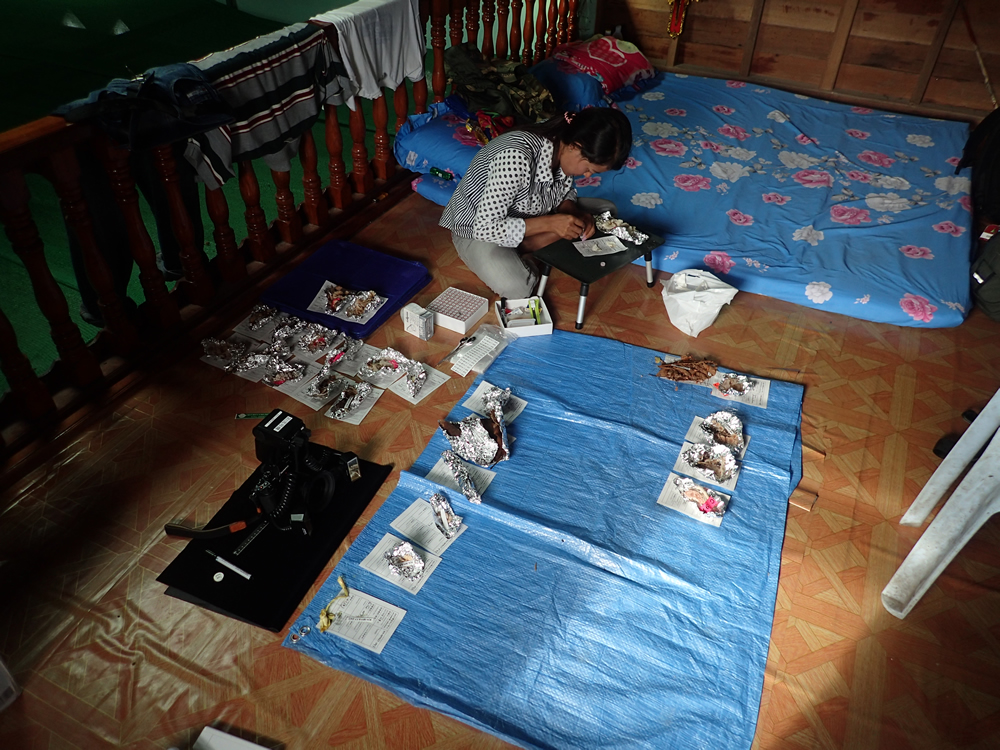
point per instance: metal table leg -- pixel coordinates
(543, 282)
(649, 268)
(584, 288)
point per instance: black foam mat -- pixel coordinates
(282, 565)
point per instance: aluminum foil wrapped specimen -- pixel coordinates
(715, 461)
(389, 361)
(726, 428)
(325, 386)
(344, 349)
(708, 502)
(316, 337)
(280, 372)
(444, 517)
(260, 316)
(226, 351)
(349, 398)
(460, 471)
(608, 224)
(733, 384)
(482, 440)
(286, 329)
(405, 562)
(359, 304)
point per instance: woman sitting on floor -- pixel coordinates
(518, 196)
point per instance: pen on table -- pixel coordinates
(225, 563)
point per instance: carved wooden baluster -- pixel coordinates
(361, 176)
(25, 386)
(529, 30)
(572, 20)
(563, 8)
(472, 21)
(24, 238)
(455, 22)
(540, 32)
(199, 284)
(438, 79)
(488, 28)
(400, 105)
(258, 234)
(515, 30)
(289, 223)
(65, 172)
(503, 13)
(553, 30)
(314, 202)
(228, 258)
(384, 163)
(339, 191)
(164, 306)
(420, 87)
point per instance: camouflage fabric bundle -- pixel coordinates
(501, 87)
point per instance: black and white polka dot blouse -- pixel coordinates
(510, 179)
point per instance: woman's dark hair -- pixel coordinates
(603, 135)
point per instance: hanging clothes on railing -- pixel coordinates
(276, 85)
(381, 42)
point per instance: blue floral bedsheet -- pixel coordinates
(826, 205)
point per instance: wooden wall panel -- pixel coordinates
(887, 53)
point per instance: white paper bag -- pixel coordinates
(694, 298)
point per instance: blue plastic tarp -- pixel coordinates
(575, 612)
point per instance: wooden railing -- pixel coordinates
(38, 408)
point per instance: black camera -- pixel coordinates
(295, 482)
(298, 479)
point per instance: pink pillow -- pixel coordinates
(611, 61)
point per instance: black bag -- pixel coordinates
(986, 278)
(982, 153)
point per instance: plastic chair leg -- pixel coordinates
(973, 502)
(959, 456)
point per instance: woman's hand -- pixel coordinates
(588, 225)
(568, 226)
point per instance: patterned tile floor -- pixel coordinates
(106, 660)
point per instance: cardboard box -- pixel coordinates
(524, 327)
(458, 310)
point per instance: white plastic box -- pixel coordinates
(458, 310)
(519, 328)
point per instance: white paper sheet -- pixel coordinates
(417, 524)
(441, 474)
(290, 389)
(599, 246)
(264, 332)
(757, 395)
(683, 467)
(671, 497)
(376, 563)
(476, 403)
(233, 338)
(364, 620)
(358, 415)
(352, 365)
(315, 404)
(319, 305)
(467, 358)
(697, 435)
(435, 378)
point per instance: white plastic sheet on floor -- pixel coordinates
(575, 612)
